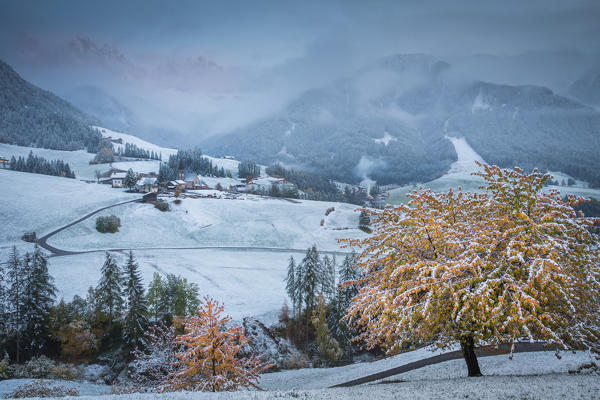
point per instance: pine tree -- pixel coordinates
(130, 179)
(110, 288)
(210, 358)
(3, 302)
(328, 278)
(136, 318)
(16, 286)
(38, 303)
(329, 348)
(311, 279)
(155, 298)
(290, 284)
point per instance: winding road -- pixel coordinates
(56, 252)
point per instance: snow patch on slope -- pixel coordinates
(386, 139)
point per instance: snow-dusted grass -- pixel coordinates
(84, 388)
(42, 203)
(251, 221)
(250, 283)
(231, 165)
(79, 160)
(166, 152)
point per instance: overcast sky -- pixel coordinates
(285, 46)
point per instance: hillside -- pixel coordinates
(587, 87)
(30, 116)
(388, 122)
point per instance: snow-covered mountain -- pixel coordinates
(388, 122)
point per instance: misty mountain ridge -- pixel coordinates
(414, 99)
(34, 117)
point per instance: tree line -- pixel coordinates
(320, 291)
(112, 318)
(189, 161)
(39, 165)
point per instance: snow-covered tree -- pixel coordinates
(328, 279)
(16, 278)
(151, 367)
(291, 284)
(136, 317)
(130, 179)
(209, 360)
(39, 299)
(309, 281)
(110, 288)
(492, 268)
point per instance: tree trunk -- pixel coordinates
(467, 346)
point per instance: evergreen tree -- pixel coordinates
(329, 348)
(38, 303)
(310, 282)
(291, 284)
(136, 319)
(15, 284)
(130, 179)
(110, 288)
(328, 278)
(155, 297)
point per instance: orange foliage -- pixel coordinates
(510, 263)
(209, 360)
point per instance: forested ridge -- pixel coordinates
(30, 116)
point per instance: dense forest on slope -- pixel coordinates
(389, 122)
(30, 116)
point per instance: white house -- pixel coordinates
(117, 179)
(147, 184)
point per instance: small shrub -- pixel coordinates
(177, 201)
(296, 361)
(66, 372)
(108, 224)
(161, 205)
(38, 367)
(6, 369)
(41, 389)
(329, 211)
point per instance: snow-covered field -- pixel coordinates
(527, 376)
(460, 172)
(231, 165)
(249, 221)
(79, 160)
(42, 203)
(249, 281)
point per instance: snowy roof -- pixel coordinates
(179, 182)
(189, 176)
(118, 175)
(147, 181)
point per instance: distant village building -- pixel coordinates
(147, 184)
(4, 162)
(117, 179)
(192, 181)
(229, 157)
(172, 185)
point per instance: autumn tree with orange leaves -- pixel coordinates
(510, 264)
(210, 358)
